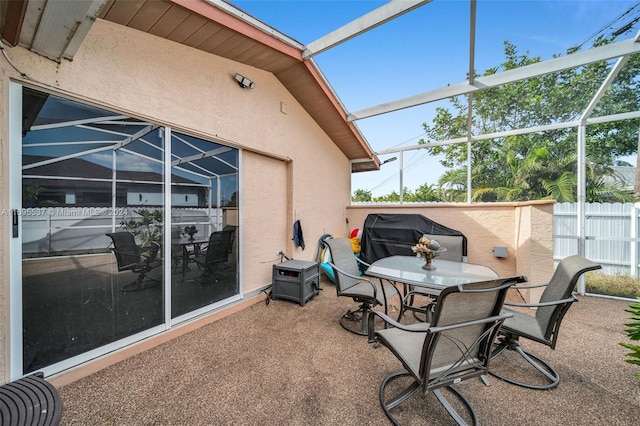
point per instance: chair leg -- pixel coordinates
(357, 320)
(540, 366)
(389, 404)
(138, 284)
(452, 412)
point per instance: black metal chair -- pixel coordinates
(349, 283)
(454, 347)
(131, 257)
(216, 254)
(543, 326)
(232, 235)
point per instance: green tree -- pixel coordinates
(426, 193)
(392, 197)
(361, 195)
(542, 164)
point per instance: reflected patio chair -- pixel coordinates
(349, 283)
(217, 253)
(543, 326)
(454, 347)
(232, 234)
(129, 257)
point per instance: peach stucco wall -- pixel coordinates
(526, 229)
(290, 168)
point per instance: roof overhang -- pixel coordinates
(55, 29)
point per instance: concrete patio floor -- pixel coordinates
(286, 364)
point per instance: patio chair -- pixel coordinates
(454, 347)
(544, 325)
(129, 257)
(217, 253)
(232, 235)
(349, 283)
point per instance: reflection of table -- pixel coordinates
(184, 243)
(407, 270)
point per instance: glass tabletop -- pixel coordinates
(408, 270)
(186, 240)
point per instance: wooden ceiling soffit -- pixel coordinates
(224, 19)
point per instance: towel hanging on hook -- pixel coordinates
(297, 234)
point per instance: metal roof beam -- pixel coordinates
(361, 25)
(546, 127)
(609, 51)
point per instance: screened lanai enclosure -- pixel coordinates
(87, 172)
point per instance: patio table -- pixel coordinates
(408, 271)
(184, 243)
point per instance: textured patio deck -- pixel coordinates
(286, 364)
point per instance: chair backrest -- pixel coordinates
(343, 258)
(126, 250)
(218, 248)
(463, 327)
(232, 234)
(454, 245)
(560, 287)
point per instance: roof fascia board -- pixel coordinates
(331, 95)
(361, 25)
(14, 17)
(609, 51)
(234, 19)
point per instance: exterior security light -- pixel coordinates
(244, 82)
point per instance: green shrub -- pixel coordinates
(612, 285)
(633, 331)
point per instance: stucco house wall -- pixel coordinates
(526, 229)
(290, 168)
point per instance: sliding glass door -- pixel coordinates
(204, 190)
(104, 230)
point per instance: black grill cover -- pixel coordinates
(385, 235)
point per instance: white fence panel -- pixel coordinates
(67, 230)
(610, 233)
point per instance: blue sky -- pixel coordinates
(426, 49)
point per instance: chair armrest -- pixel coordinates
(411, 293)
(357, 277)
(495, 318)
(387, 320)
(517, 287)
(362, 262)
(537, 305)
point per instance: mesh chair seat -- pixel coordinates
(522, 321)
(349, 283)
(543, 326)
(364, 290)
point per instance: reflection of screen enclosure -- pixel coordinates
(87, 172)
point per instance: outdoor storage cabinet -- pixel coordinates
(296, 280)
